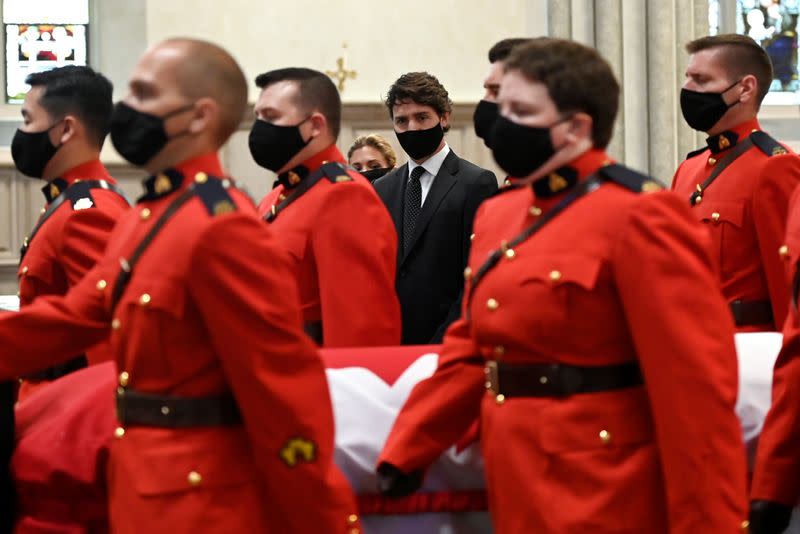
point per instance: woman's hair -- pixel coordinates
(378, 143)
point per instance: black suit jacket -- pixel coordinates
(430, 274)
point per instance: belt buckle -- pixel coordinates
(492, 377)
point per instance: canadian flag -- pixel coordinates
(63, 430)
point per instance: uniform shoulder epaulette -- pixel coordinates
(335, 172)
(214, 195)
(697, 152)
(80, 196)
(630, 179)
(766, 144)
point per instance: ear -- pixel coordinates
(68, 130)
(319, 124)
(749, 85)
(445, 119)
(579, 127)
(206, 112)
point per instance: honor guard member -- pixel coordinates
(572, 345)
(740, 183)
(66, 117)
(338, 233)
(776, 485)
(486, 112)
(225, 423)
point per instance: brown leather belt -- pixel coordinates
(146, 409)
(752, 312)
(557, 380)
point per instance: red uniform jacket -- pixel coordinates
(210, 309)
(616, 278)
(71, 241)
(744, 209)
(778, 455)
(343, 247)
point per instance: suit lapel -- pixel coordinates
(396, 196)
(441, 185)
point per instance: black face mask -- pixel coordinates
(421, 143)
(32, 151)
(273, 146)
(483, 119)
(374, 174)
(703, 110)
(518, 149)
(139, 136)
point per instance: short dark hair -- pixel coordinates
(502, 49)
(742, 56)
(577, 78)
(315, 91)
(79, 91)
(421, 88)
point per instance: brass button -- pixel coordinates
(492, 304)
(745, 524)
(697, 200)
(605, 436)
(471, 237)
(101, 285)
(119, 432)
(467, 273)
(487, 384)
(25, 242)
(510, 254)
(165, 410)
(43, 210)
(555, 276)
(500, 399)
(712, 161)
(144, 214)
(784, 251)
(25, 270)
(715, 217)
(507, 182)
(144, 300)
(543, 380)
(352, 519)
(534, 211)
(354, 531)
(124, 378)
(200, 178)
(281, 197)
(499, 350)
(115, 324)
(194, 478)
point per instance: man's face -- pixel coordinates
(525, 102)
(277, 104)
(705, 73)
(491, 83)
(410, 116)
(34, 117)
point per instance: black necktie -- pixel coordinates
(412, 206)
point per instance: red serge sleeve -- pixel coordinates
(254, 322)
(85, 235)
(356, 269)
(441, 408)
(770, 204)
(54, 329)
(683, 335)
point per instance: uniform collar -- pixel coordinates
(728, 139)
(292, 178)
(565, 178)
(89, 170)
(173, 179)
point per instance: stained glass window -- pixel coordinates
(41, 35)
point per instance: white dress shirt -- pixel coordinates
(431, 166)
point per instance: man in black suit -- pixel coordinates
(433, 199)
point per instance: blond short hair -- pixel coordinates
(378, 143)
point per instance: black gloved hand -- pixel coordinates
(394, 483)
(767, 517)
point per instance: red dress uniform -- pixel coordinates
(618, 277)
(68, 244)
(777, 471)
(745, 212)
(343, 247)
(210, 310)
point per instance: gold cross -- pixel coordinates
(341, 74)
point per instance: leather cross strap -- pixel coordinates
(722, 164)
(752, 312)
(307, 183)
(59, 200)
(582, 189)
